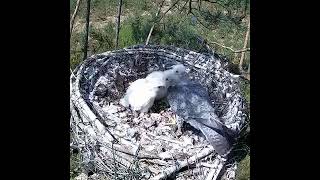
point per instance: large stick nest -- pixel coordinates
(114, 143)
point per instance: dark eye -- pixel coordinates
(167, 79)
(159, 87)
(177, 71)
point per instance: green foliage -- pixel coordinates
(76, 54)
(75, 169)
(243, 171)
(177, 31)
(101, 39)
(82, 8)
(101, 9)
(245, 88)
(126, 36)
(134, 31)
(141, 26)
(137, 5)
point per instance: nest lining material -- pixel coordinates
(106, 133)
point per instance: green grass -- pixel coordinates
(76, 53)
(243, 146)
(245, 88)
(75, 169)
(243, 171)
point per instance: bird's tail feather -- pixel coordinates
(219, 142)
(219, 125)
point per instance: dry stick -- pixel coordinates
(215, 169)
(166, 139)
(183, 7)
(245, 76)
(157, 14)
(142, 155)
(85, 49)
(168, 10)
(72, 74)
(74, 16)
(234, 51)
(209, 1)
(160, 20)
(72, 23)
(155, 161)
(206, 165)
(244, 46)
(118, 23)
(169, 171)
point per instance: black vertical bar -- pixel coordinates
(85, 48)
(118, 24)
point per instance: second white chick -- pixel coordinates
(168, 78)
(159, 77)
(141, 94)
(174, 74)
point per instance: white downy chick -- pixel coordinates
(135, 85)
(141, 94)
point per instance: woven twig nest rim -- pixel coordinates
(97, 120)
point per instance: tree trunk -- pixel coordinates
(118, 23)
(85, 49)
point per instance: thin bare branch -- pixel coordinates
(74, 16)
(244, 46)
(148, 38)
(234, 51)
(166, 139)
(167, 172)
(215, 170)
(245, 76)
(72, 74)
(209, 1)
(157, 14)
(168, 10)
(183, 7)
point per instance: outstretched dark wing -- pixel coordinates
(190, 101)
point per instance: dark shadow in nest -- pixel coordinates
(160, 105)
(241, 148)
